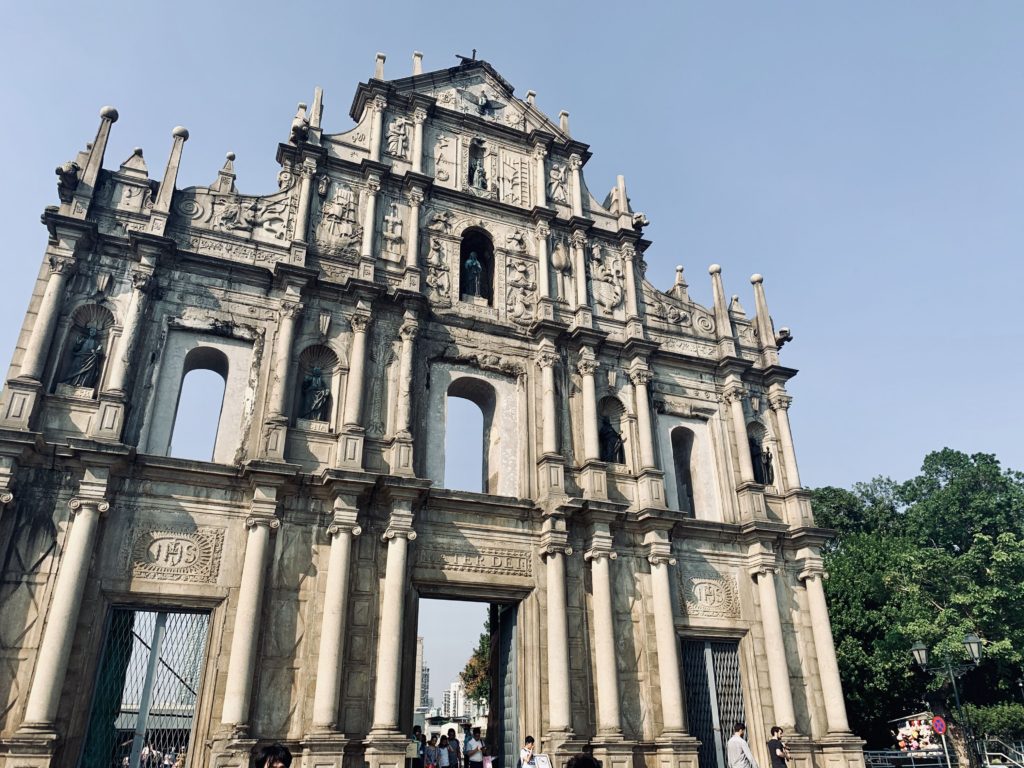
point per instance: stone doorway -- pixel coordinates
(454, 632)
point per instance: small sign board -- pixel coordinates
(542, 761)
(939, 724)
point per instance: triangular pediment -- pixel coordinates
(475, 88)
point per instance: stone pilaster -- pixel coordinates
(401, 450)
(735, 396)
(600, 556)
(377, 107)
(277, 419)
(594, 479)
(583, 316)
(780, 402)
(763, 572)
(540, 176)
(341, 531)
(245, 634)
(367, 264)
(44, 696)
(812, 575)
(352, 433)
(659, 555)
(419, 116)
(554, 549)
(575, 166)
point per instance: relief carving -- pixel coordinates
(438, 277)
(710, 594)
(337, 230)
(398, 138)
(520, 296)
(607, 279)
(502, 562)
(174, 554)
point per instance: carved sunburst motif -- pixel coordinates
(93, 316)
(318, 356)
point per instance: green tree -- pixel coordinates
(476, 677)
(931, 559)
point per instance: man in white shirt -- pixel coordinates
(739, 752)
(475, 749)
(526, 753)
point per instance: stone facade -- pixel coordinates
(642, 492)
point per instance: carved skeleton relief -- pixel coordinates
(607, 278)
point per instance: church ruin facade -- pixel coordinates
(640, 531)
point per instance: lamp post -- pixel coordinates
(948, 669)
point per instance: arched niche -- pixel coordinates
(316, 389)
(197, 415)
(685, 466)
(761, 456)
(476, 267)
(85, 350)
(612, 430)
(481, 394)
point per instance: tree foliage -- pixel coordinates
(476, 677)
(930, 559)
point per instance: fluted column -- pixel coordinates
(608, 718)
(540, 176)
(34, 359)
(739, 426)
(356, 372)
(290, 311)
(141, 282)
(775, 650)
(377, 107)
(559, 717)
(55, 648)
(575, 164)
(828, 668)
(546, 359)
(389, 644)
(408, 334)
(332, 628)
(370, 217)
(543, 261)
(667, 642)
(308, 170)
(579, 265)
(641, 377)
(587, 366)
(780, 403)
(419, 116)
(242, 659)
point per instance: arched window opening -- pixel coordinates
(470, 443)
(201, 399)
(86, 348)
(682, 460)
(760, 455)
(611, 415)
(476, 267)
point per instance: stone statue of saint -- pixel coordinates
(611, 442)
(316, 396)
(473, 269)
(477, 175)
(398, 138)
(556, 184)
(766, 465)
(86, 356)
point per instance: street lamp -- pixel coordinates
(948, 669)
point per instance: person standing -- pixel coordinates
(738, 750)
(475, 750)
(777, 749)
(274, 756)
(454, 750)
(526, 757)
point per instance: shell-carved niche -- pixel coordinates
(317, 392)
(85, 350)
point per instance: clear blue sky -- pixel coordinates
(867, 157)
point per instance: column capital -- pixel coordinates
(812, 570)
(735, 393)
(409, 331)
(586, 362)
(359, 321)
(6, 498)
(291, 309)
(628, 251)
(77, 504)
(373, 183)
(379, 104)
(599, 550)
(398, 532)
(575, 161)
(419, 115)
(555, 543)
(542, 230)
(415, 196)
(546, 358)
(271, 521)
(539, 151)
(338, 527)
(660, 558)
(578, 239)
(764, 568)
(780, 401)
(142, 281)
(641, 377)
(61, 264)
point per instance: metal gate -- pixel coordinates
(147, 689)
(714, 696)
